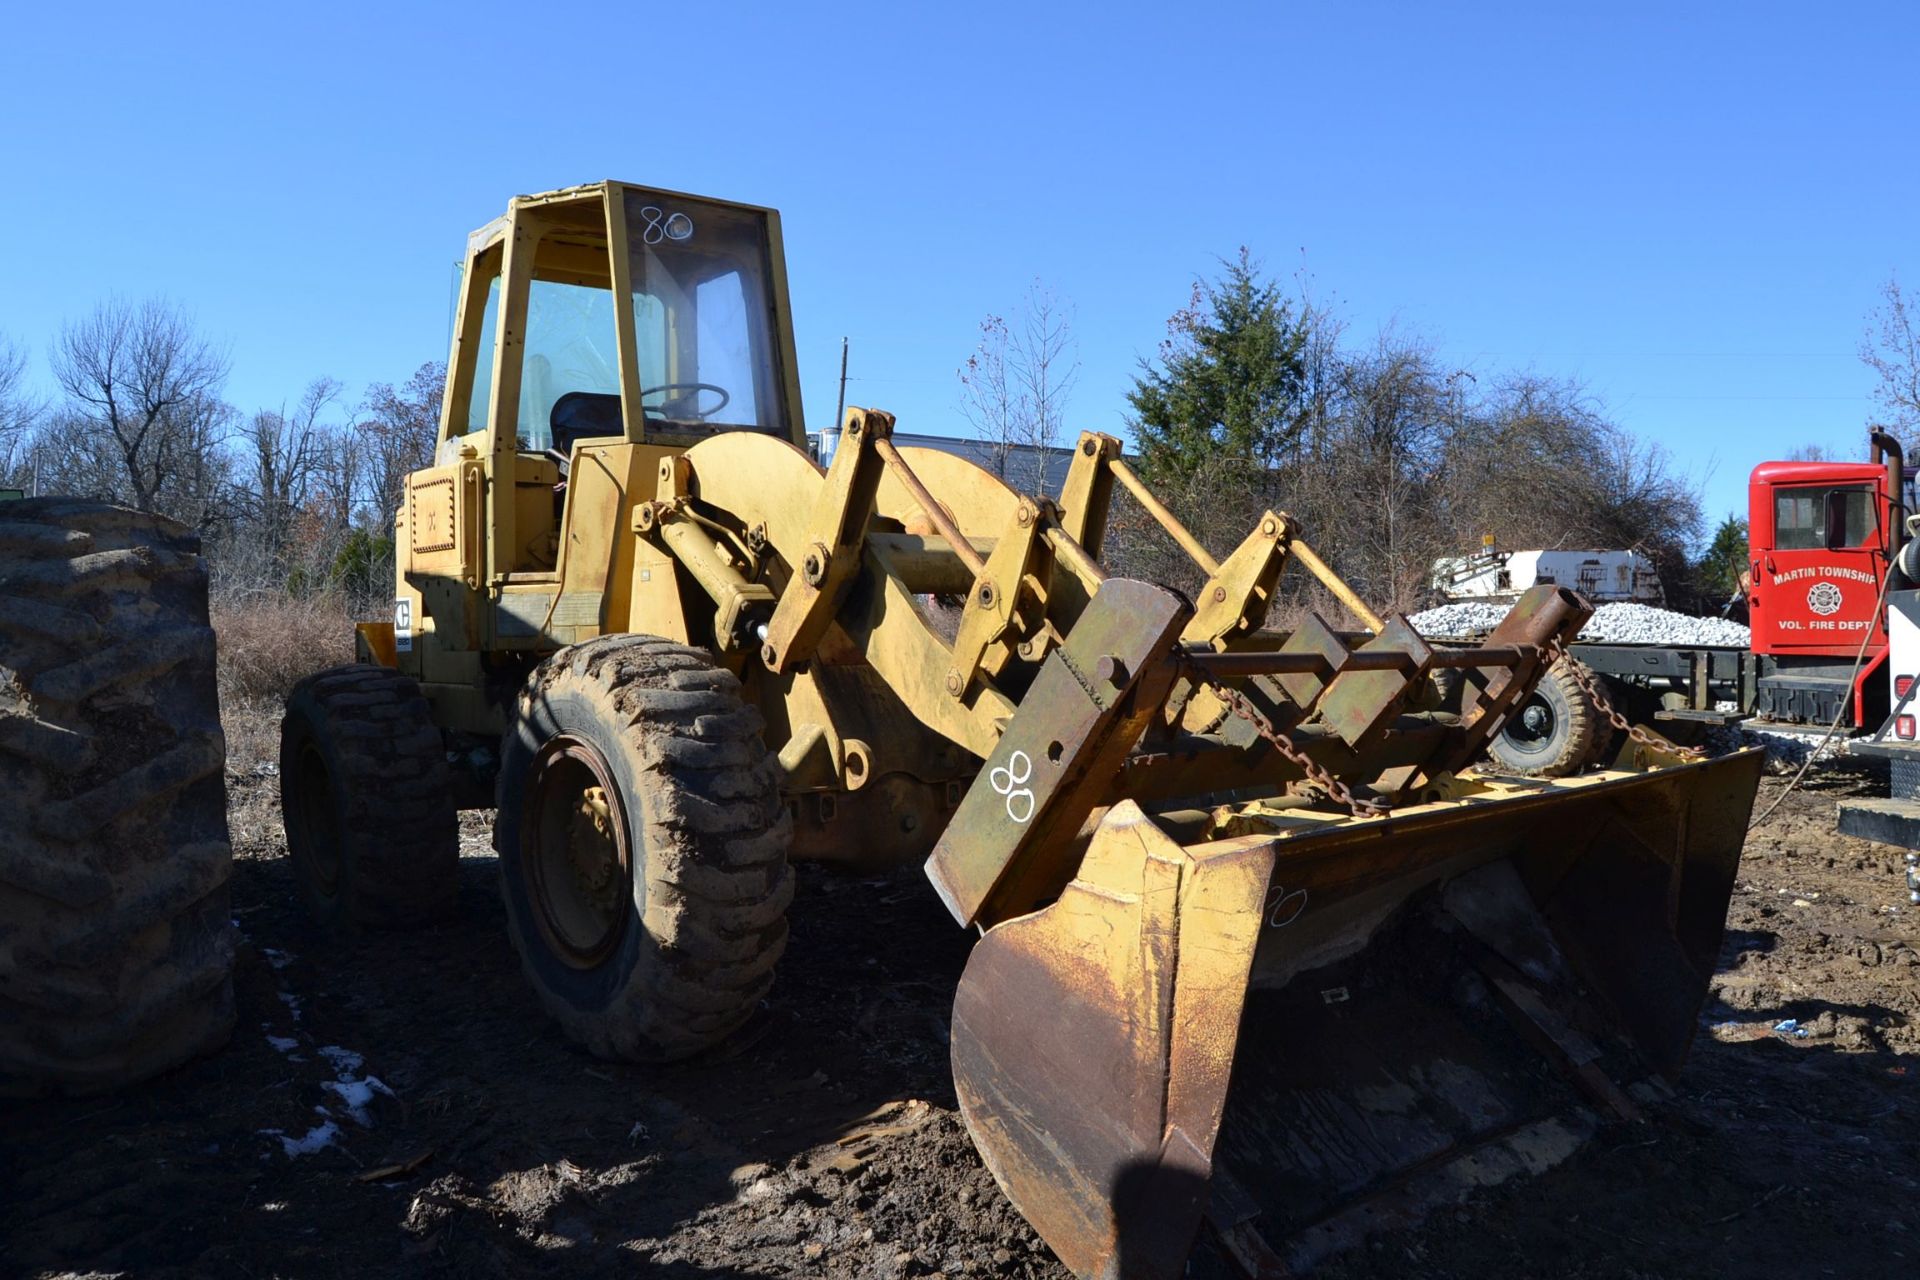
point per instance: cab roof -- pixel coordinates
(1770, 473)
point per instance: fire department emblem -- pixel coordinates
(1823, 598)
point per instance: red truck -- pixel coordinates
(1822, 538)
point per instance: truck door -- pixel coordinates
(1816, 577)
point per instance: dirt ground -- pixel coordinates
(825, 1142)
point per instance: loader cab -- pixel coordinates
(599, 332)
(622, 311)
(609, 313)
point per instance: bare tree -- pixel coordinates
(285, 453)
(395, 435)
(18, 414)
(1891, 349)
(1015, 386)
(987, 395)
(1045, 367)
(143, 390)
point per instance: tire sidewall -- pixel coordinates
(1507, 750)
(302, 729)
(576, 712)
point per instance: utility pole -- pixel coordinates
(840, 410)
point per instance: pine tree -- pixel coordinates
(1725, 558)
(1229, 380)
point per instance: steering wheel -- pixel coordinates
(726, 397)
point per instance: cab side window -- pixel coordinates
(571, 346)
(1800, 517)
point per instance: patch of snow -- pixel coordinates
(292, 1002)
(278, 959)
(318, 1138)
(357, 1095)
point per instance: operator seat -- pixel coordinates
(584, 415)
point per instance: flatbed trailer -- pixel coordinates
(1713, 685)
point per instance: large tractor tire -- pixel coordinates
(116, 943)
(1553, 733)
(643, 847)
(367, 800)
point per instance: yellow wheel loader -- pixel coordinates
(1262, 953)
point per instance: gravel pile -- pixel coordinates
(1611, 624)
(1643, 624)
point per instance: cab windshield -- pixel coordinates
(702, 317)
(702, 314)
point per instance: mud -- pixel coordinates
(823, 1141)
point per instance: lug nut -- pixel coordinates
(953, 683)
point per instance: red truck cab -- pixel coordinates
(1821, 539)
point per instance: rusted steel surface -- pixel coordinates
(1010, 845)
(1354, 1020)
(1359, 704)
(1093, 1040)
(1315, 638)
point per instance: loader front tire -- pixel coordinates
(116, 943)
(643, 847)
(1555, 731)
(367, 800)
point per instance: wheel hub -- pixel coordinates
(574, 852)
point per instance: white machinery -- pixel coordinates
(1601, 576)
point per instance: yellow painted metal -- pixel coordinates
(503, 413)
(835, 539)
(779, 486)
(977, 500)
(936, 514)
(1235, 599)
(1086, 493)
(374, 643)
(993, 601)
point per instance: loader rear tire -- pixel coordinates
(116, 943)
(367, 800)
(1555, 731)
(643, 847)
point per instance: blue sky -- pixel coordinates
(1691, 211)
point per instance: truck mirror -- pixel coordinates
(1835, 519)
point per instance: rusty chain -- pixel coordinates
(1555, 649)
(1368, 806)
(1240, 705)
